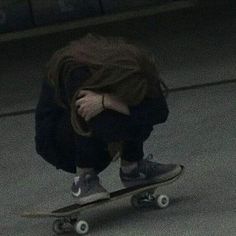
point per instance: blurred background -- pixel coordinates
(194, 42)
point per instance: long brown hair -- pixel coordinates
(116, 65)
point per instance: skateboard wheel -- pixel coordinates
(162, 201)
(81, 227)
(58, 227)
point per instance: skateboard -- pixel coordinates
(68, 218)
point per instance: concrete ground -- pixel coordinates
(193, 49)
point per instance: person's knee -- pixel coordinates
(164, 116)
(111, 126)
(144, 132)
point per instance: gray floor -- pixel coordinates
(200, 132)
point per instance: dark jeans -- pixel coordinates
(91, 152)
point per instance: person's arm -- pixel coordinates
(150, 111)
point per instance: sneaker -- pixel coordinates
(87, 188)
(148, 171)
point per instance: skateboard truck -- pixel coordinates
(148, 198)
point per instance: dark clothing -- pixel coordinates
(58, 144)
(90, 152)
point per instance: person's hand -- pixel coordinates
(89, 104)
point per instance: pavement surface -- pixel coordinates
(193, 49)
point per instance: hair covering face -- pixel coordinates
(116, 67)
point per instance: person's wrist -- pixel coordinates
(107, 101)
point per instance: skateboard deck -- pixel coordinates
(140, 195)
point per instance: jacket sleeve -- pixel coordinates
(150, 111)
(112, 125)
